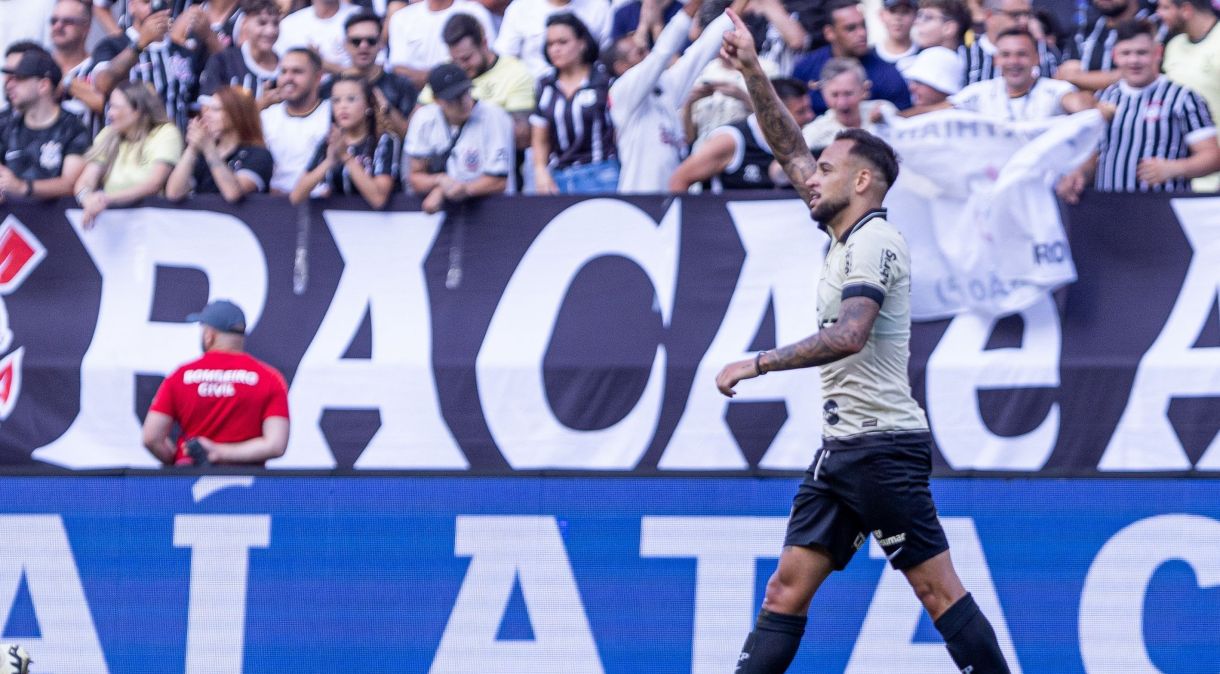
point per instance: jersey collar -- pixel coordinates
(874, 213)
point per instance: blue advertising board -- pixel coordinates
(220, 574)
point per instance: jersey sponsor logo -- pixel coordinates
(202, 376)
(887, 541)
(847, 256)
(887, 260)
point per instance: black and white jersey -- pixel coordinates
(38, 154)
(980, 60)
(171, 69)
(579, 127)
(227, 31)
(234, 67)
(1093, 46)
(383, 158)
(752, 158)
(251, 162)
(1160, 120)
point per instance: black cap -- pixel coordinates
(222, 315)
(448, 82)
(36, 63)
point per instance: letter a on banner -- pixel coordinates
(783, 256)
(531, 551)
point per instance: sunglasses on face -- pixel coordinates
(362, 41)
(68, 20)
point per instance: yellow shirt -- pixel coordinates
(1196, 65)
(508, 84)
(134, 162)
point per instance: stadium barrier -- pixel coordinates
(223, 574)
(554, 333)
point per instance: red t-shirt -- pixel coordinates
(222, 396)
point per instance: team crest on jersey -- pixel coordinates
(470, 160)
(20, 253)
(1153, 113)
(51, 155)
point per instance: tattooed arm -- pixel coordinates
(777, 124)
(847, 336)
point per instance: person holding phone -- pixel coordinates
(254, 64)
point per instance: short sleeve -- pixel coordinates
(1197, 119)
(277, 400)
(520, 94)
(871, 263)
(77, 142)
(94, 154)
(418, 144)
(497, 143)
(257, 165)
(387, 158)
(163, 401)
(164, 145)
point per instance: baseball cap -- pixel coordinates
(448, 82)
(937, 67)
(222, 315)
(36, 63)
(14, 659)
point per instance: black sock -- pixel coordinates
(771, 646)
(970, 639)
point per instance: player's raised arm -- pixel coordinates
(780, 129)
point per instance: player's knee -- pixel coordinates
(786, 595)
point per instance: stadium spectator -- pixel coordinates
(358, 156)
(42, 145)
(1192, 58)
(103, 15)
(717, 100)
(934, 76)
(225, 150)
(846, 87)
(897, 47)
(1001, 16)
(646, 99)
(216, 23)
(573, 138)
(1088, 60)
(626, 18)
(783, 38)
(416, 44)
(459, 148)
(845, 32)
(1020, 93)
(524, 30)
(318, 27)
(294, 127)
(941, 23)
(145, 53)
(25, 20)
(133, 156)
(1160, 135)
(70, 23)
(234, 405)
(395, 94)
(254, 64)
(736, 156)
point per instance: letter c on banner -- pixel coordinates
(509, 366)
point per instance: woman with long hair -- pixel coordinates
(359, 156)
(225, 151)
(132, 157)
(572, 137)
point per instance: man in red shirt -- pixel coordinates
(235, 405)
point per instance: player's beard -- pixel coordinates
(827, 209)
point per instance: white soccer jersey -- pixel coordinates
(645, 101)
(990, 98)
(292, 141)
(303, 28)
(415, 33)
(484, 148)
(523, 31)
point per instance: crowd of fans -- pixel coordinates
(113, 101)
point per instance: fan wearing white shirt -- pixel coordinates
(294, 128)
(320, 27)
(415, 32)
(523, 31)
(1019, 94)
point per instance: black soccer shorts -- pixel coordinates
(874, 484)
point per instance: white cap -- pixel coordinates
(14, 659)
(937, 67)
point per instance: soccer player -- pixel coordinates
(872, 472)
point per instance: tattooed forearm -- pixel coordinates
(780, 129)
(846, 337)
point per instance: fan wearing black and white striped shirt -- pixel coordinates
(1088, 58)
(1001, 17)
(1160, 135)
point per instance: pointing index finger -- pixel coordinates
(737, 22)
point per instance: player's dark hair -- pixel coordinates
(1018, 32)
(309, 54)
(588, 55)
(362, 17)
(789, 88)
(874, 151)
(1134, 28)
(462, 26)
